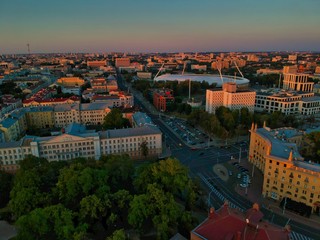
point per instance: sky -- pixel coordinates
(159, 25)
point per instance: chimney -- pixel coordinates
(211, 213)
(290, 156)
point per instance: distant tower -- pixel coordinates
(28, 45)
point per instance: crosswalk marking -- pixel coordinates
(298, 236)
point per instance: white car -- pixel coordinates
(243, 185)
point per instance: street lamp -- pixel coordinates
(209, 202)
(284, 205)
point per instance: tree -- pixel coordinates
(25, 195)
(144, 149)
(92, 208)
(117, 235)
(120, 170)
(6, 180)
(157, 205)
(114, 119)
(54, 222)
(168, 174)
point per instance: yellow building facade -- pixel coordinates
(41, 117)
(285, 173)
(70, 81)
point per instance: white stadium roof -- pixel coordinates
(210, 78)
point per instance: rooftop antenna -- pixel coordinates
(28, 45)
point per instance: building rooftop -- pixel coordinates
(8, 122)
(311, 99)
(279, 145)
(94, 106)
(141, 118)
(229, 223)
(130, 132)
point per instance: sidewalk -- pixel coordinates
(254, 195)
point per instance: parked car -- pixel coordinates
(239, 175)
(243, 185)
(230, 173)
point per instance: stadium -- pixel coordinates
(210, 78)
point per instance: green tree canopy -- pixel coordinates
(114, 119)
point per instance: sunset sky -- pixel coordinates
(159, 26)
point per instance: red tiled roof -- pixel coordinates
(226, 223)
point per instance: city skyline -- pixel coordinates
(166, 26)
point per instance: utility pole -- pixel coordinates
(240, 155)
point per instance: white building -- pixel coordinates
(229, 97)
(78, 142)
(287, 102)
(297, 82)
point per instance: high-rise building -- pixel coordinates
(229, 97)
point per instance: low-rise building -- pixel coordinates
(230, 223)
(79, 142)
(162, 98)
(70, 81)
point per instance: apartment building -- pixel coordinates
(285, 173)
(13, 126)
(297, 82)
(40, 117)
(79, 142)
(122, 62)
(229, 97)
(96, 64)
(86, 113)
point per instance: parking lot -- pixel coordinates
(187, 133)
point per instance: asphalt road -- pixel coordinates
(200, 163)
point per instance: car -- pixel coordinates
(201, 153)
(230, 173)
(243, 185)
(235, 163)
(239, 175)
